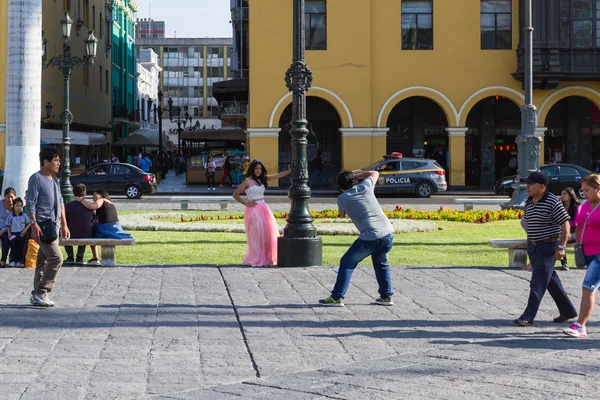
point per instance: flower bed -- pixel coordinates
(443, 214)
(194, 223)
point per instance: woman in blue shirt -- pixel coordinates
(7, 206)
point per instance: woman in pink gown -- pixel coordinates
(261, 227)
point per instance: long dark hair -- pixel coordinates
(262, 179)
(574, 203)
(103, 193)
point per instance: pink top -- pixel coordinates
(591, 238)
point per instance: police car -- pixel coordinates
(418, 176)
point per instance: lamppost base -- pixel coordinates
(299, 252)
(518, 199)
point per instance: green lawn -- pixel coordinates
(456, 244)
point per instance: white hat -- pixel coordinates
(247, 158)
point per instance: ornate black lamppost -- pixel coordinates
(178, 121)
(66, 63)
(528, 142)
(299, 246)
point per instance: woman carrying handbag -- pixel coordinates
(588, 241)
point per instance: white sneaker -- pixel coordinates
(20, 265)
(12, 264)
(43, 300)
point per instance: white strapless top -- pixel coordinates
(255, 192)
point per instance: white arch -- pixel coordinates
(414, 88)
(318, 89)
(553, 95)
(486, 89)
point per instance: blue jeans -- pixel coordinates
(317, 174)
(592, 275)
(543, 277)
(361, 249)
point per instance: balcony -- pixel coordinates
(122, 116)
(238, 73)
(553, 65)
(234, 109)
(239, 13)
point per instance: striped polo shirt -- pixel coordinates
(545, 218)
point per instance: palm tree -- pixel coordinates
(23, 92)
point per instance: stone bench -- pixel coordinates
(517, 250)
(223, 200)
(107, 247)
(470, 202)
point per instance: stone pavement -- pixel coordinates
(201, 332)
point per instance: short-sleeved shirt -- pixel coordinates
(79, 220)
(591, 237)
(4, 213)
(364, 210)
(545, 218)
(17, 223)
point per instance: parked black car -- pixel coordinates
(117, 178)
(559, 176)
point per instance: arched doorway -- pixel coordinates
(324, 125)
(493, 126)
(417, 128)
(573, 134)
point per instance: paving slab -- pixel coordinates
(202, 332)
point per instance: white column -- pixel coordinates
(23, 92)
(540, 132)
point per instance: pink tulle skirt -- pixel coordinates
(261, 233)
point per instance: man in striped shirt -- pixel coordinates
(547, 225)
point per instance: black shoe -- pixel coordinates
(523, 322)
(69, 260)
(564, 318)
(79, 261)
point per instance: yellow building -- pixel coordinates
(439, 78)
(90, 88)
(3, 55)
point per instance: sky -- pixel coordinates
(189, 18)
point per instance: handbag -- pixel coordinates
(48, 226)
(580, 260)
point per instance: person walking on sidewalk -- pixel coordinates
(317, 173)
(44, 202)
(571, 204)
(589, 237)
(226, 171)
(375, 239)
(547, 224)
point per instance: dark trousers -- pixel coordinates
(16, 248)
(544, 277)
(5, 246)
(210, 178)
(80, 252)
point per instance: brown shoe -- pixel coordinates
(564, 318)
(523, 322)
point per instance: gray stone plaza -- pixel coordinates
(207, 332)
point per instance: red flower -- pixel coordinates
(441, 208)
(182, 219)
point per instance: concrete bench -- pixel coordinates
(470, 202)
(107, 247)
(223, 200)
(517, 250)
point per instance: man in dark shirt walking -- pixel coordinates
(547, 224)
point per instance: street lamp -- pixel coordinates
(528, 142)
(179, 121)
(299, 246)
(66, 63)
(160, 135)
(48, 107)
